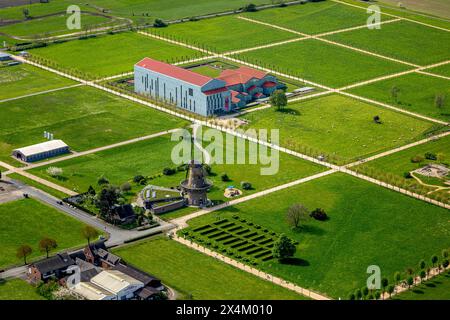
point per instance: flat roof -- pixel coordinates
(91, 291)
(41, 147)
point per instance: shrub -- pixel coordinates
(125, 187)
(102, 181)
(407, 175)
(159, 23)
(430, 156)
(169, 171)
(319, 214)
(417, 159)
(251, 7)
(225, 177)
(138, 178)
(246, 185)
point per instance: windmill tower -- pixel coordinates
(195, 187)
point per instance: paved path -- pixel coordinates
(42, 92)
(253, 271)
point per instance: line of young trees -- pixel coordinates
(423, 273)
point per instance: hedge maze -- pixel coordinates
(236, 237)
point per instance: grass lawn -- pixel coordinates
(197, 276)
(38, 9)
(113, 54)
(438, 288)
(93, 119)
(312, 18)
(400, 162)
(16, 81)
(27, 221)
(417, 93)
(175, 9)
(443, 70)
(400, 40)
(17, 289)
(434, 7)
(52, 25)
(322, 63)
(150, 157)
(225, 33)
(339, 126)
(368, 225)
(207, 71)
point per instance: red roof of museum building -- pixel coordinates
(174, 71)
(269, 84)
(240, 76)
(214, 91)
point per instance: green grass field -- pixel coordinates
(175, 9)
(417, 93)
(207, 71)
(400, 40)
(197, 276)
(400, 162)
(25, 79)
(312, 18)
(113, 54)
(83, 117)
(443, 70)
(434, 7)
(339, 126)
(150, 157)
(17, 289)
(32, 183)
(438, 288)
(225, 33)
(51, 26)
(368, 225)
(38, 9)
(27, 221)
(322, 63)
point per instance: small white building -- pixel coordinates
(41, 151)
(118, 283)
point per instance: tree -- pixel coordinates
(225, 177)
(430, 156)
(384, 283)
(422, 274)
(246, 185)
(377, 295)
(23, 252)
(439, 100)
(47, 244)
(351, 296)
(296, 214)
(394, 93)
(89, 233)
(283, 248)
(422, 264)
(102, 181)
(26, 13)
(365, 292)
(278, 99)
(106, 199)
(390, 290)
(434, 260)
(358, 294)
(126, 187)
(410, 281)
(91, 191)
(397, 277)
(377, 119)
(54, 172)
